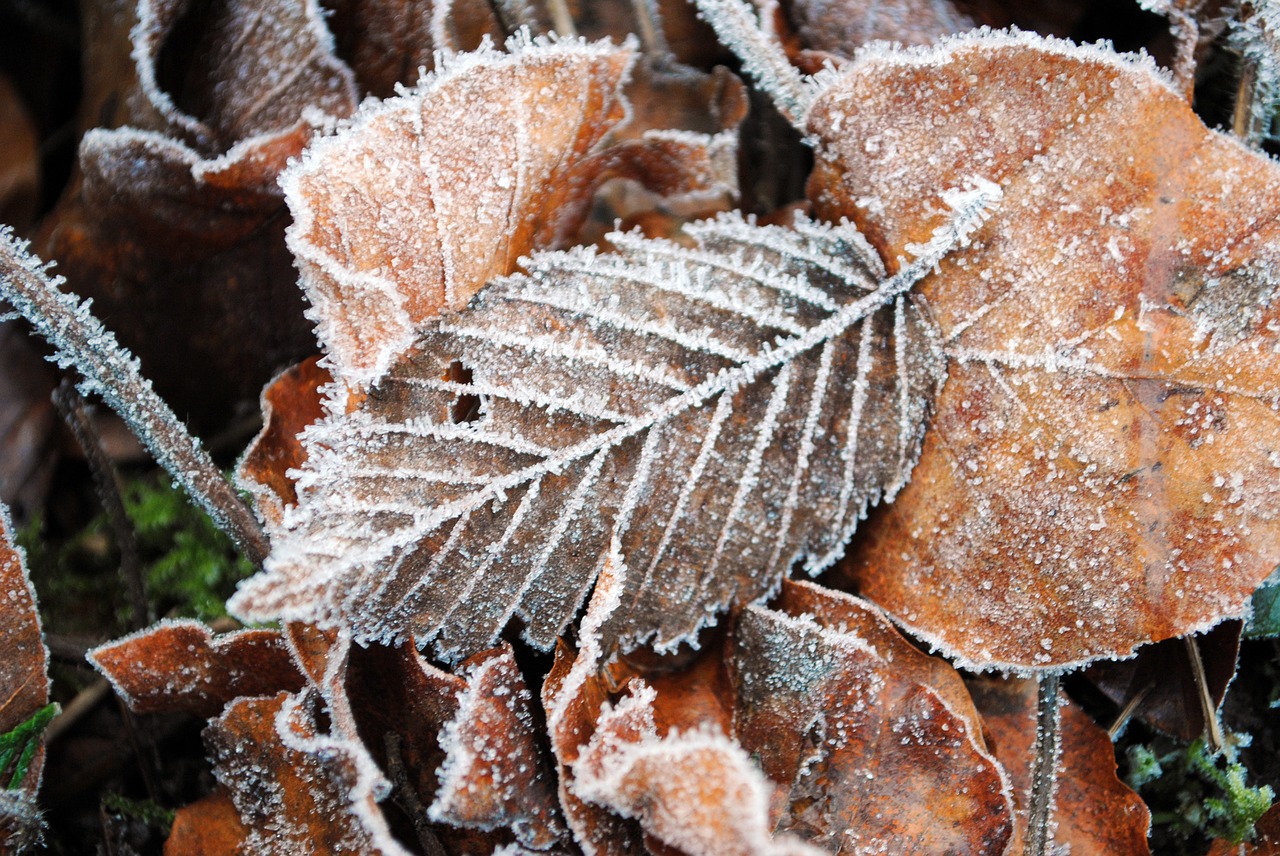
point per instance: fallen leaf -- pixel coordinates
(768, 375)
(290, 403)
(207, 827)
(1100, 471)
(871, 760)
(402, 215)
(1094, 811)
(182, 666)
(24, 697)
(175, 224)
(295, 788)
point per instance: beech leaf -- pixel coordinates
(1103, 465)
(768, 374)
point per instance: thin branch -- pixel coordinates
(653, 39)
(1044, 768)
(71, 405)
(763, 58)
(81, 342)
(1114, 731)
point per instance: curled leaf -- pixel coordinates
(180, 665)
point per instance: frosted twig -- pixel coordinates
(1044, 768)
(71, 405)
(561, 18)
(649, 27)
(81, 342)
(1258, 88)
(738, 27)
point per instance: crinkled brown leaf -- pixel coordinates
(24, 692)
(429, 195)
(1101, 471)
(872, 759)
(182, 666)
(175, 224)
(297, 790)
(1096, 814)
(768, 374)
(290, 403)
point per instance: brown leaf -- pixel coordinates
(207, 827)
(24, 690)
(1101, 469)
(297, 790)
(290, 403)
(182, 666)
(494, 773)
(451, 219)
(175, 224)
(1096, 814)
(871, 759)
(1164, 677)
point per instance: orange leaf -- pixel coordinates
(1096, 814)
(1101, 469)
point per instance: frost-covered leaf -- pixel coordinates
(494, 773)
(1096, 813)
(425, 197)
(870, 758)
(717, 414)
(1103, 466)
(182, 666)
(292, 401)
(24, 698)
(296, 789)
(175, 225)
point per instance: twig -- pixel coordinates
(71, 405)
(653, 39)
(762, 57)
(1212, 728)
(86, 700)
(80, 341)
(406, 796)
(561, 18)
(1044, 768)
(1127, 712)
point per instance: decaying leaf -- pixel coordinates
(403, 215)
(180, 665)
(768, 375)
(291, 402)
(1096, 813)
(297, 790)
(175, 224)
(24, 698)
(1102, 467)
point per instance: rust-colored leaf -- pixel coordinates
(1096, 814)
(207, 827)
(1101, 471)
(290, 403)
(24, 696)
(297, 790)
(182, 666)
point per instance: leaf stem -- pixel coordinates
(1044, 767)
(1212, 728)
(80, 341)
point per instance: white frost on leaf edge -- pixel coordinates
(947, 49)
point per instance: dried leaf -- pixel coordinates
(24, 697)
(1166, 680)
(1094, 811)
(181, 666)
(767, 375)
(297, 790)
(208, 827)
(290, 403)
(403, 215)
(871, 759)
(1101, 469)
(494, 775)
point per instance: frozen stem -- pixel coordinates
(81, 342)
(738, 26)
(1212, 728)
(1044, 768)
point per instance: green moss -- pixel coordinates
(146, 811)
